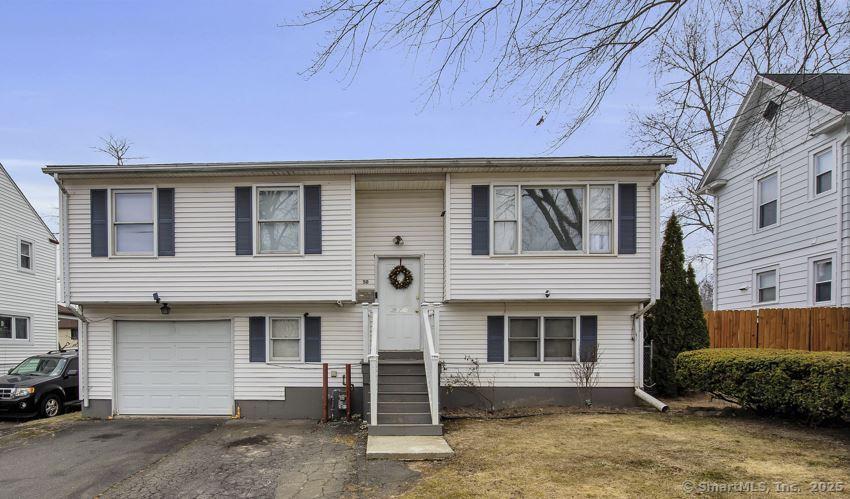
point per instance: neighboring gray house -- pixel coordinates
(264, 271)
(27, 278)
(781, 187)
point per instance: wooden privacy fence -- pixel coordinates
(814, 329)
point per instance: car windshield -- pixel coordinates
(40, 366)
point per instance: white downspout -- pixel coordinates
(83, 340)
(839, 263)
(655, 291)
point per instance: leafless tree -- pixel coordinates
(704, 67)
(706, 292)
(566, 55)
(116, 147)
(586, 375)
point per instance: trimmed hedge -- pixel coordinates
(810, 385)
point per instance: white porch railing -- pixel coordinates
(431, 356)
(373, 364)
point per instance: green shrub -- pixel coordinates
(810, 385)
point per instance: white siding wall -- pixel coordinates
(463, 332)
(808, 225)
(342, 343)
(412, 214)
(526, 277)
(29, 294)
(206, 268)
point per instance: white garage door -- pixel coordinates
(174, 367)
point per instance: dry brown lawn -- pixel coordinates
(631, 455)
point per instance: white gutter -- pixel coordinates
(712, 186)
(841, 119)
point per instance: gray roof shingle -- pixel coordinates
(831, 89)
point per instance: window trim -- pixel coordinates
(113, 240)
(812, 280)
(585, 251)
(301, 339)
(756, 201)
(31, 268)
(541, 339)
(813, 173)
(14, 339)
(755, 284)
(255, 217)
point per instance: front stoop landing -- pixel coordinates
(408, 448)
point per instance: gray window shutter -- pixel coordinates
(165, 221)
(99, 222)
(588, 338)
(627, 219)
(495, 338)
(313, 219)
(312, 339)
(480, 219)
(257, 339)
(244, 222)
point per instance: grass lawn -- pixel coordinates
(631, 454)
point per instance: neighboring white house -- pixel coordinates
(781, 187)
(27, 278)
(264, 271)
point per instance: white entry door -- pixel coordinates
(174, 367)
(398, 309)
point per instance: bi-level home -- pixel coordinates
(223, 288)
(27, 278)
(782, 195)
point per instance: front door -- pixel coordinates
(398, 309)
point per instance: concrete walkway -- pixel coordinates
(408, 448)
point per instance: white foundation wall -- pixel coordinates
(463, 331)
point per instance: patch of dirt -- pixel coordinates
(249, 441)
(36, 427)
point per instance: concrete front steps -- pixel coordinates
(412, 448)
(403, 406)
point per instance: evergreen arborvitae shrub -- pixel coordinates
(676, 323)
(696, 331)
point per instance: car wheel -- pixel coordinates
(51, 406)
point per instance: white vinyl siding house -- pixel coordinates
(246, 252)
(28, 320)
(781, 200)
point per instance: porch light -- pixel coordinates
(165, 309)
(398, 241)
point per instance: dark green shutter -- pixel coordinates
(99, 222)
(257, 339)
(312, 339)
(480, 219)
(244, 222)
(627, 219)
(495, 338)
(165, 222)
(313, 219)
(588, 338)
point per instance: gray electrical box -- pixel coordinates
(366, 295)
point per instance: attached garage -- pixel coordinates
(174, 367)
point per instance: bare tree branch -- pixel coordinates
(117, 148)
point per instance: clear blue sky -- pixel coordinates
(219, 81)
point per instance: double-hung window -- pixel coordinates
(766, 286)
(601, 218)
(133, 222)
(25, 255)
(14, 328)
(768, 200)
(532, 219)
(505, 220)
(536, 338)
(279, 220)
(822, 271)
(285, 336)
(823, 164)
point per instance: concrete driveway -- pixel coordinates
(191, 458)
